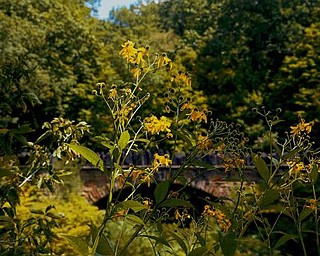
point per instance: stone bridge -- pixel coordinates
(214, 181)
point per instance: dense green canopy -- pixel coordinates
(241, 54)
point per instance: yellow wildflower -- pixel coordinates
(301, 127)
(182, 77)
(136, 72)
(161, 160)
(141, 52)
(113, 93)
(311, 204)
(197, 115)
(155, 125)
(232, 162)
(204, 143)
(164, 60)
(221, 218)
(295, 167)
(128, 51)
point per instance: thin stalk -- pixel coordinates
(316, 222)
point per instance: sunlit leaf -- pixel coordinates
(88, 154)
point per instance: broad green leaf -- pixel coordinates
(198, 251)
(130, 204)
(159, 239)
(180, 242)
(269, 197)
(78, 243)
(314, 174)
(161, 191)
(175, 202)
(304, 214)
(135, 219)
(124, 139)
(104, 245)
(185, 136)
(276, 147)
(201, 240)
(88, 154)
(284, 239)
(228, 243)
(262, 167)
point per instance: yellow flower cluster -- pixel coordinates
(204, 143)
(295, 167)
(181, 216)
(301, 127)
(155, 126)
(161, 160)
(182, 77)
(195, 115)
(311, 204)
(232, 162)
(221, 218)
(137, 56)
(164, 61)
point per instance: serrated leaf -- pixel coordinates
(88, 154)
(161, 191)
(175, 202)
(262, 167)
(77, 243)
(285, 238)
(130, 204)
(124, 139)
(198, 251)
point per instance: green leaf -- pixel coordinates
(161, 191)
(130, 204)
(104, 246)
(228, 243)
(201, 240)
(88, 154)
(78, 243)
(179, 241)
(135, 219)
(198, 251)
(262, 167)
(124, 139)
(314, 174)
(175, 202)
(159, 239)
(269, 197)
(185, 136)
(304, 214)
(284, 239)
